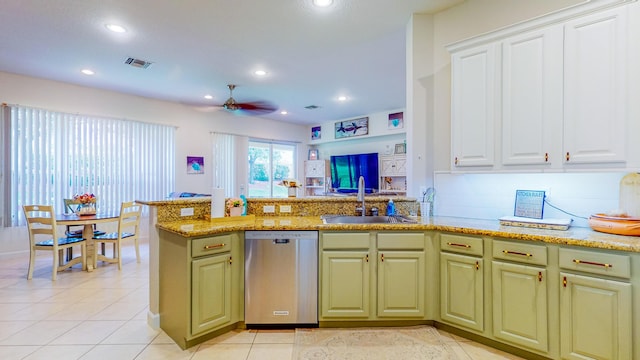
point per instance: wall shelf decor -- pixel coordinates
(349, 128)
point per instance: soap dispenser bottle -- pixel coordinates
(391, 208)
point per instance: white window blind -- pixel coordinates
(56, 155)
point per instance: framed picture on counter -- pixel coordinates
(313, 154)
(401, 149)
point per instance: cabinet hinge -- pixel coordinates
(540, 276)
(564, 281)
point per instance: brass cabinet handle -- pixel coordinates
(546, 157)
(216, 246)
(509, 252)
(382, 257)
(540, 276)
(592, 263)
(455, 160)
(568, 157)
(366, 258)
(477, 265)
(230, 260)
(564, 281)
(459, 245)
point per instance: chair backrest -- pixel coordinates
(130, 213)
(71, 206)
(41, 222)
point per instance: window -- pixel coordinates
(269, 164)
(56, 155)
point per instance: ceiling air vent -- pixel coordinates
(311, 107)
(138, 63)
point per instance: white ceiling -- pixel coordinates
(354, 48)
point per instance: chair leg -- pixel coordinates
(69, 254)
(119, 254)
(95, 255)
(32, 263)
(83, 250)
(137, 249)
(56, 261)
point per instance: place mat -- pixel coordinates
(406, 343)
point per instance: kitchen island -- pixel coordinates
(562, 275)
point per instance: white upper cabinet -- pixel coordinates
(595, 88)
(547, 94)
(532, 97)
(473, 106)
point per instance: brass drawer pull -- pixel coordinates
(459, 245)
(216, 246)
(509, 252)
(592, 263)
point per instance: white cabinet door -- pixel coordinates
(595, 88)
(532, 97)
(315, 168)
(473, 106)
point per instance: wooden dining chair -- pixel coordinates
(41, 223)
(128, 228)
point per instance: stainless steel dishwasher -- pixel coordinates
(281, 278)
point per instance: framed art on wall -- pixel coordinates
(316, 132)
(195, 165)
(396, 121)
(349, 128)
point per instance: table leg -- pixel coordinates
(87, 234)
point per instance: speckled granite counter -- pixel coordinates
(574, 236)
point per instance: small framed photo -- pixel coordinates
(396, 121)
(401, 149)
(195, 165)
(313, 154)
(316, 132)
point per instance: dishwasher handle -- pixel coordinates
(281, 241)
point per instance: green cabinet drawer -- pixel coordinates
(461, 244)
(210, 245)
(345, 240)
(400, 241)
(596, 262)
(516, 251)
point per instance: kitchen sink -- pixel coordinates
(352, 219)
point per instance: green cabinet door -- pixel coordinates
(344, 285)
(210, 292)
(595, 318)
(520, 305)
(461, 290)
(401, 282)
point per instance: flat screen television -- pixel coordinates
(347, 169)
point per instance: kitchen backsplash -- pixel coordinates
(491, 196)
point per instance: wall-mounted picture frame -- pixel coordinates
(396, 121)
(195, 164)
(316, 132)
(313, 154)
(401, 149)
(349, 128)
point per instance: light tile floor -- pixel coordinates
(102, 315)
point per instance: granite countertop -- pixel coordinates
(574, 236)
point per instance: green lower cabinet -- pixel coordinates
(345, 284)
(520, 313)
(210, 292)
(401, 283)
(461, 290)
(595, 318)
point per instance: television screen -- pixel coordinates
(347, 169)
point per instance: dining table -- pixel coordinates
(87, 232)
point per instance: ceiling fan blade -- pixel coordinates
(256, 107)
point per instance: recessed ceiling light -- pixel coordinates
(322, 3)
(284, 112)
(260, 72)
(87, 71)
(342, 98)
(208, 97)
(115, 28)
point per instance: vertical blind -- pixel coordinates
(56, 155)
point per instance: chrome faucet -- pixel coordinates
(361, 194)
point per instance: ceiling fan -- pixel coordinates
(254, 107)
